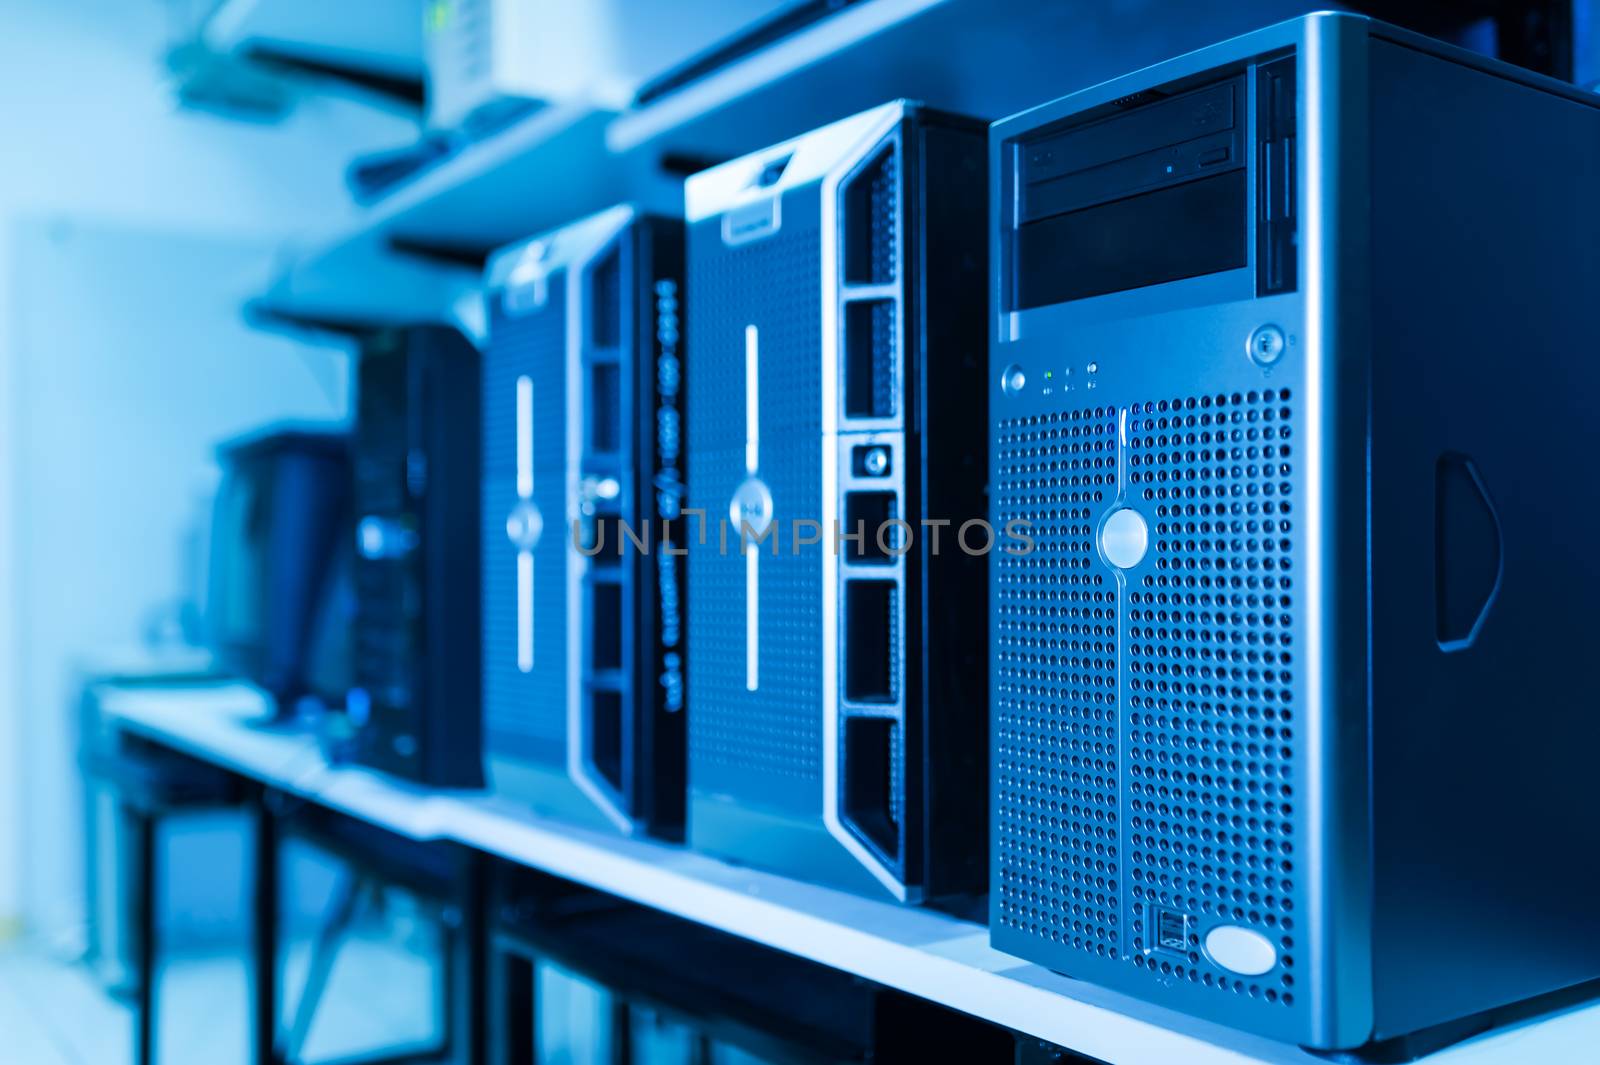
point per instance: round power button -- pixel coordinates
(1124, 538)
(1266, 345)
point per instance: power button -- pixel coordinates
(1266, 345)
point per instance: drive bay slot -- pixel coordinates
(871, 781)
(1151, 146)
(605, 625)
(870, 641)
(1145, 193)
(872, 220)
(605, 734)
(867, 513)
(605, 407)
(1186, 230)
(869, 355)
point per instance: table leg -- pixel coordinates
(621, 1032)
(511, 1007)
(264, 948)
(143, 830)
(469, 990)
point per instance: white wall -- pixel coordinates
(94, 145)
(131, 364)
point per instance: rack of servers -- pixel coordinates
(583, 484)
(1129, 523)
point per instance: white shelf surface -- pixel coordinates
(920, 952)
(222, 724)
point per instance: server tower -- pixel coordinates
(837, 310)
(1285, 373)
(414, 653)
(583, 567)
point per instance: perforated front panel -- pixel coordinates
(766, 743)
(1055, 739)
(774, 284)
(525, 712)
(1210, 668)
(1145, 719)
(763, 746)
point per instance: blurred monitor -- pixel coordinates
(279, 584)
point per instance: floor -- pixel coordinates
(54, 1011)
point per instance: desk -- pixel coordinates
(922, 953)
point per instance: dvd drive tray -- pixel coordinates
(1165, 142)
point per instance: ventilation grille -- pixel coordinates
(872, 220)
(870, 343)
(775, 285)
(1144, 803)
(525, 713)
(897, 777)
(1058, 840)
(1210, 711)
(762, 746)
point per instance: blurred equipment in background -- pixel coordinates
(479, 56)
(278, 607)
(256, 60)
(492, 64)
(837, 686)
(415, 700)
(485, 54)
(583, 660)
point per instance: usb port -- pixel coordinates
(1171, 931)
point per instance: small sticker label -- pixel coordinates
(752, 222)
(1241, 950)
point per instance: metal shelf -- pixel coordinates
(416, 254)
(922, 953)
(983, 57)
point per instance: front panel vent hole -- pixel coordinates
(869, 359)
(605, 407)
(869, 513)
(872, 221)
(601, 539)
(605, 626)
(871, 775)
(869, 641)
(605, 735)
